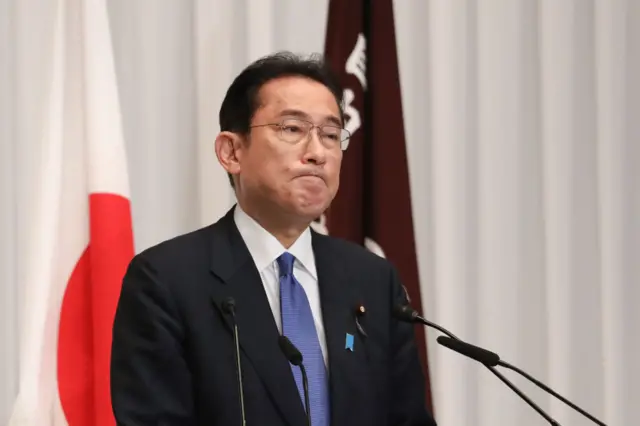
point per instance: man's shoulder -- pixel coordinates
(184, 249)
(351, 252)
(195, 244)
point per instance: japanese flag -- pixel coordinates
(81, 240)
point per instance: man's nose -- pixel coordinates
(315, 149)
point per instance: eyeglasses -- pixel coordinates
(293, 130)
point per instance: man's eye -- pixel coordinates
(292, 129)
(331, 133)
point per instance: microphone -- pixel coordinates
(295, 357)
(229, 307)
(483, 356)
(406, 313)
(492, 359)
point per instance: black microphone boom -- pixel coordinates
(229, 307)
(408, 314)
(489, 358)
(294, 356)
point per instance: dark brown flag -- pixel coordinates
(373, 205)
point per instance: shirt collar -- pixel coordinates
(265, 248)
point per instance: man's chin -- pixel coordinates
(310, 211)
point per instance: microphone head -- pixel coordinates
(483, 356)
(229, 305)
(405, 313)
(290, 351)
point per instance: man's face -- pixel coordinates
(299, 179)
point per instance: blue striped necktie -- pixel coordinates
(298, 326)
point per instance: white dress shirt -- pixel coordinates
(265, 250)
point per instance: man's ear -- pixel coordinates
(228, 150)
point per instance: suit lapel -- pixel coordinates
(258, 333)
(338, 301)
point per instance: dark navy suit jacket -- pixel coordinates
(173, 354)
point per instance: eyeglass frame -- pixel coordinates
(344, 142)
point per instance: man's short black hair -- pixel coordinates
(241, 101)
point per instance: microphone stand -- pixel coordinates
(506, 381)
(305, 387)
(229, 307)
(549, 390)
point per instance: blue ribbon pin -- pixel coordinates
(348, 345)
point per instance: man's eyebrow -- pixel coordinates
(295, 113)
(304, 116)
(334, 120)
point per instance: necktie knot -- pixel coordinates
(285, 264)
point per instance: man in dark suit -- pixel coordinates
(173, 356)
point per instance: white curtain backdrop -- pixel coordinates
(524, 151)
